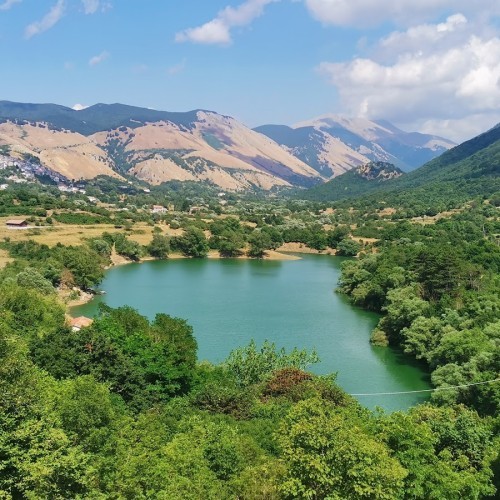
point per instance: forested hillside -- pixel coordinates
(468, 170)
(356, 182)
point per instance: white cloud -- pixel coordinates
(79, 107)
(425, 36)
(213, 32)
(8, 4)
(430, 83)
(98, 59)
(48, 21)
(363, 13)
(218, 30)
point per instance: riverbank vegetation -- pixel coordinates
(437, 286)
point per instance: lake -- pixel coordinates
(291, 303)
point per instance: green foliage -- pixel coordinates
(251, 364)
(446, 452)
(193, 243)
(259, 242)
(31, 278)
(355, 182)
(142, 362)
(348, 248)
(127, 248)
(159, 246)
(121, 409)
(27, 311)
(437, 288)
(84, 264)
(328, 454)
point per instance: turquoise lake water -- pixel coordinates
(291, 303)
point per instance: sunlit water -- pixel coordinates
(291, 303)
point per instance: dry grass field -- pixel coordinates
(76, 234)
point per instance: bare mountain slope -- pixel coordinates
(155, 146)
(379, 140)
(334, 144)
(69, 153)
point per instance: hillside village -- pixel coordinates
(20, 170)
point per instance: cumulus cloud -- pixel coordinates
(431, 83)
(218, 30)
(79, 107)
(363, 13)
(426, 36)
(98, 59)
(48, 21)
(8, 4)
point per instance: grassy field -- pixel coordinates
(69, 234)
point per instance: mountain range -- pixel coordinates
(333, 144)
(158, 146)
(467, 170)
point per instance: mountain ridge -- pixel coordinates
(467, 170)
(364, 140)
(155, 146)
(199, 145)
(355, 182)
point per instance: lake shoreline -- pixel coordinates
(228, 302)
(284, 253)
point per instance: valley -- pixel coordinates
(237, 312)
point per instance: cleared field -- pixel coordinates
(69, 234)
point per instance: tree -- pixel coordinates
(447, 451)
(130, 249)
(159, 246)
(348, 248)
(259, 242)
(330, 455)
(85, 265)
(193, 243)
(230, 244)
(31, 278)
(403, 307)
(251, 365)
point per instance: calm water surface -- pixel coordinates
(292, 303)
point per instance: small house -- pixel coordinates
(158, 209)
(17, 223)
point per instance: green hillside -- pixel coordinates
(356, 182)
(466, 171)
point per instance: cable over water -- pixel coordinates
(428, 390)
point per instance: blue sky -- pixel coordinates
(426, 65)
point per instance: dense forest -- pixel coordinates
(122, 410)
